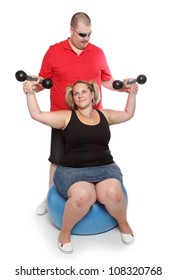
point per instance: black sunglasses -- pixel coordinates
(83, 34)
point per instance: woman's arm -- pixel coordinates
(57, 119)
(115, 117)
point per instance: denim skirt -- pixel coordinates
(65, 177)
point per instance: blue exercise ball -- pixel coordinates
(97, 220)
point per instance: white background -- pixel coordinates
(138, 37)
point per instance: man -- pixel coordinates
(66, 62)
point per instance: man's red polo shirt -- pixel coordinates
(65, 67)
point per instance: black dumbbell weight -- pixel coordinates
(21, 76)
(141, 79)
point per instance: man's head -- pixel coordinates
(80, 29)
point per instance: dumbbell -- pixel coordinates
(141, 79)
(21, 76)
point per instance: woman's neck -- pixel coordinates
(87, 113)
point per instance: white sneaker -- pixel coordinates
(42, 208)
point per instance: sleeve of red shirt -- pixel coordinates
(105, 71)
(46, 69)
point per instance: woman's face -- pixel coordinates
(82, 96)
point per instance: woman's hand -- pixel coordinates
(130, 88)
(30, 86)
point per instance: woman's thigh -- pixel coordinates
(109, 189)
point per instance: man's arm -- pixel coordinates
(108, 85)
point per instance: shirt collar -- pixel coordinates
(68, 47)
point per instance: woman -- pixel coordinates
(87, 171)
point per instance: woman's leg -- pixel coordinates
(110, 193)
(81, 196)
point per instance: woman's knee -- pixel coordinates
(83, 195)
(111, 191)
(114, 193)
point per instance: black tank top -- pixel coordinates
(86, 145)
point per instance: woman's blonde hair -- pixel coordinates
(92, 86)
